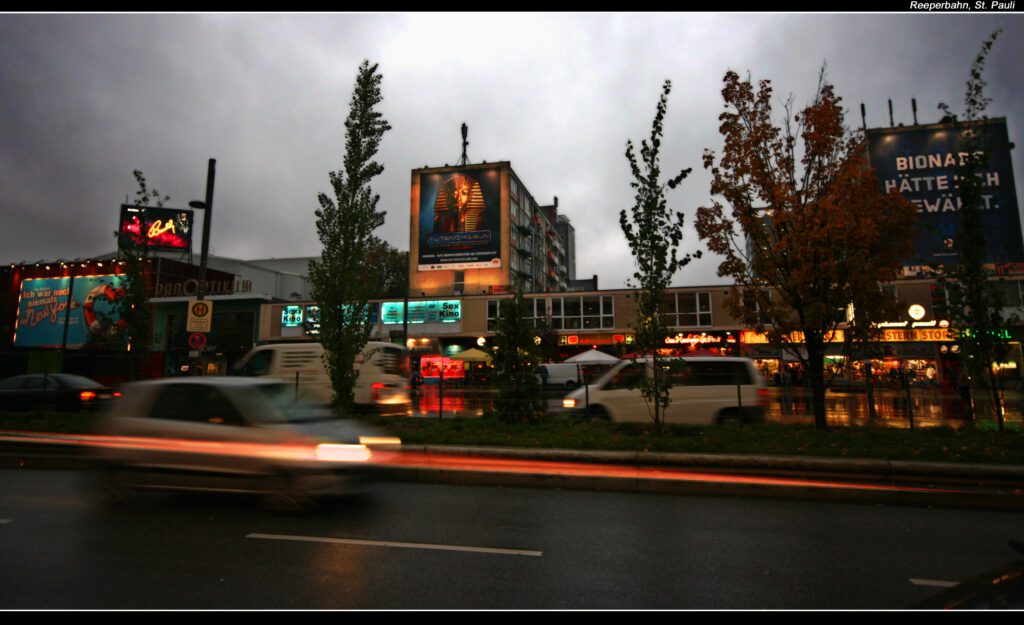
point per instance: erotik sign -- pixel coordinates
(920, 162)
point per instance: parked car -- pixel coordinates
(54, 391)
(559, 374)
(704, 390)
(232, 434)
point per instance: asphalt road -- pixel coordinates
(446, 546)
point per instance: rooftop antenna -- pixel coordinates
(465, 131)
(863, 117)
(913, 107)
(892, 124)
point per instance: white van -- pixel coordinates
(383, 382)
(705, 390)
(566, 375)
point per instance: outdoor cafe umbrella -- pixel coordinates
(593, 357)
(472, 355)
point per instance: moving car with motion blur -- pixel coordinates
(705, 390)
(233, 435)
(54, 391)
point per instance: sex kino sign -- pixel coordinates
(920, 162)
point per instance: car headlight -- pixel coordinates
(332, 452)
(568, 403)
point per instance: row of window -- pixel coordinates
(594, 312)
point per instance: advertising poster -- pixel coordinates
(42, 309)
(159, 228)
(460, 219)
(920, 162)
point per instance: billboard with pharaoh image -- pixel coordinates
(460, 219)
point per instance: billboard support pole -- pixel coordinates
(67, 317)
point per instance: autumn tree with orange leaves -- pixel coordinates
(800, 220)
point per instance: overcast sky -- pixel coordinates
(87, 99)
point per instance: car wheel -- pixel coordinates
(569, 385)
(729, 418)
(597, 412)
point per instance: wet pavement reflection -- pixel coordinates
(927, 407)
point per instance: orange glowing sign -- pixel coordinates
(159, 228)
(749, 337)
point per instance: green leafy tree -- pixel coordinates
(817, 232)
(654, 233)
(389, 266)
(345, 224)
(129, 325)
(515, 356)
(975, 304)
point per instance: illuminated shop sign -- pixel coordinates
(701, 338)
(749, 337)
(596, 339)
(312, 320)
(888, 335)
(291, 316)
(435, 311)
(158, 228)
(459, 221)
(920, 163)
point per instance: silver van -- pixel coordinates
(705, 390)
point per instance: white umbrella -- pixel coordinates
(593, 357)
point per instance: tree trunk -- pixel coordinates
(816, 377)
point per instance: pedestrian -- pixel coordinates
(963, 382)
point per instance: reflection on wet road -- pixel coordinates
(927, 407)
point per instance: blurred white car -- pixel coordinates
(228, 434)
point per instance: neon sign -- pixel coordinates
(157, 228)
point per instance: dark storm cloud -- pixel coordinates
(89, 98)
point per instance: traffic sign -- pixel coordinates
(200, 315)
(197, 340)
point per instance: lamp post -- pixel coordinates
(207, 208)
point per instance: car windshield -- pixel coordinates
(290, 407)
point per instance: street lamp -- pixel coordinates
(207, 208)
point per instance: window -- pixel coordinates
(460, 281)
(752, 301)
(588, 312)
(1010, 292)
(688, 309)
(493, 311)
(940, 302)
(196, 403)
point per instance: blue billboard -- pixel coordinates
(920, 162)
(43, 309)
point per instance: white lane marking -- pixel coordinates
(388, 543)
(2, 521)
(938, 583)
